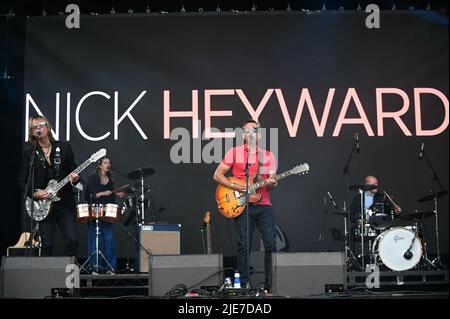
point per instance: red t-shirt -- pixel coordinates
(236, 158)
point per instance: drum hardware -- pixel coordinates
(398, 248)
(434, 197)
(138, 175)
(350, 258)
(417, 216)
(98, 253)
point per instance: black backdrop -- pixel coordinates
(131, 54)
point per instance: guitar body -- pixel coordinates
(42, 207)
(232, 203)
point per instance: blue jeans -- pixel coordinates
(106, 245)
(261, 216)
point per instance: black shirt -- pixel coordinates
(94, 186)
(44, 172)
(378, 198)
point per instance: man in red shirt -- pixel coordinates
(263, 164)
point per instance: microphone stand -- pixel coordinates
(247, 200)
(30, 179)
(437, 261)
(324, 221)
(346, 173)
(148, 251)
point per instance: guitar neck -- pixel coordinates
(208, 244)
(265, 182)
(77, 171)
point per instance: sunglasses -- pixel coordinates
(39, 125)
(251, 130)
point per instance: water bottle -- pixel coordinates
(237, 280)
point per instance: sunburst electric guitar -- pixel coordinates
(42, 207)
(231, 203)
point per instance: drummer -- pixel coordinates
(99, 191)
(373, 201)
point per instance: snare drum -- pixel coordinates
(83, 213)
(380, 221)
(380, 216)
(112, 213)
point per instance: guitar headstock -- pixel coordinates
(98, 155)
(301, 169)
(207, 218)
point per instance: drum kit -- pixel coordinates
(135, 203)
(397, 248)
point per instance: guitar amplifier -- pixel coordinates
(159, 239)
(306, 274)
(36, 277)
(22, 251)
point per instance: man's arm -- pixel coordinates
(219, 177)
(74, 178)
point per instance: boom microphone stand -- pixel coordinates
(30, 179)
(247, 200)
(346, 173)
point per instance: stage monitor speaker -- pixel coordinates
(306, 274)
(34, 277)
(166, 271)
(159, 239)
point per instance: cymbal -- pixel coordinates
(138, 173)
(365, 187)
(431, 196)
(417, 215)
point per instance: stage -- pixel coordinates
(172, 151)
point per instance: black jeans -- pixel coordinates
(262, 217)
(66, 221)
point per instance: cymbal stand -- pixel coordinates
(362, 225)
(424, 243)
(437, 261)
(142, 198)
(350, 258)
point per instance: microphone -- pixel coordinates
(357, 142)
(38, 132)
(408, 254)
(421, 150)
(332, 200)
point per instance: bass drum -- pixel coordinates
(391, 246)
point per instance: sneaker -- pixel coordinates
(109, 272)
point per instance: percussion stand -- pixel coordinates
(97, 252)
